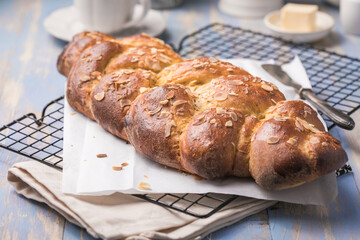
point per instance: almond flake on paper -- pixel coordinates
(117, 168)
(144, 186)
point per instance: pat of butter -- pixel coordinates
(298, 17)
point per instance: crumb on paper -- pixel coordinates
(145, 176)
(73, 113)
(144, 186)
(84, 160)
(71, 145)
(101, 155)
(198, 178)
(124, 164)
(93, 136)
(117, 168)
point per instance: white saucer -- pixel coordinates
(63, 24)
(324, 24)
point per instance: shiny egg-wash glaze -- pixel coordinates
(201, 115)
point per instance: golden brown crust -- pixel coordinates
(202, 115)
(113, 95)
(85, 75)
(287, 151)
(154, 119)
(208, 146)
(79, 44)
(241, 162)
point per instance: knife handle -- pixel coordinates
(338, 117)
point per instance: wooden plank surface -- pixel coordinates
(29, 80)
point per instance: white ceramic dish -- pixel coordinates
(324, 25)
(249, 9)
(63, 24)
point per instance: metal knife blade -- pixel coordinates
(338, 117)
(277, 72)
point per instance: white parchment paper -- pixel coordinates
(85, 174)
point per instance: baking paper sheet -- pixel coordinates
(86, 174)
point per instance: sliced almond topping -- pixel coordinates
(156, 110)
(143, 89)
(246, 90)
(134, 59)
(128, 71)
(280, 118)
(144, 186)
(233, 116)
(212, 121)
(101, 155)
(84, 77)
(88, 54)
(307, 109)
(164, 58)
(189, 92)
(253, 138)
(267, 87)
(168, 128)
(201, 117)
(98, 58)
(273, 101)
(164, 114)
(164, 102)
(308, 126)
(179, 102)
(299, 125)
(213, 60)
(220, 96)
(220, 111)
(140, 52)
(170, 94)
(325, 144)
(198, 65)
(95, 74)
(125, 102)
(233, 94)
(117, 168)
(192, 83)
(99, 96)
(273, 140)
(153, 50)
(292, 141)
(236, 82)
(314, 140)
(229, 124)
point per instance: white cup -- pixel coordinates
(249, 9)
(109, 16)
(350, 16)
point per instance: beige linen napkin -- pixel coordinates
(120, 215)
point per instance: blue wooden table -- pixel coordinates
(29, 80)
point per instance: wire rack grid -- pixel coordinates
(335, 78)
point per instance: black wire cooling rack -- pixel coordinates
(334, 78)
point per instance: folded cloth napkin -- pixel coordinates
(121, 216)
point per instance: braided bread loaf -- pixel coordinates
(202, 116)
